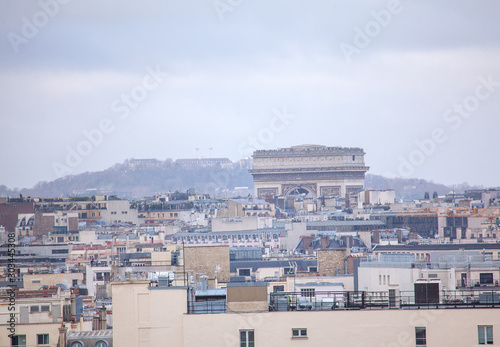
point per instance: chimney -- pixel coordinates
(63, 336)
(399, 233)
(325, 240)
(103, 319)
(348, 241)
(95, 322)
(73, 306)
(306, 242)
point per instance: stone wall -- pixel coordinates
(212, 261)
(332, 261)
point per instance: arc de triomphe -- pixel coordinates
(312, 169)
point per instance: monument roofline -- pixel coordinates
(308, 149)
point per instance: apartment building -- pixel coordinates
(250, 321)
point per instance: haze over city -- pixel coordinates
(413, 83)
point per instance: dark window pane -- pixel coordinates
(420, 338)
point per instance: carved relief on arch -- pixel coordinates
(288, 189)
(265, 193)
(330, 191)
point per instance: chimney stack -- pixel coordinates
(63, 336)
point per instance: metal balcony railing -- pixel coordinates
(318, 301)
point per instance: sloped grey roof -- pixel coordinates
(302, 264)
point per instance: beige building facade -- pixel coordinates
(157, 316)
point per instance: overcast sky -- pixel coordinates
(87, 84)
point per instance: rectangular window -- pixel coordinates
(485, 334)
(433, 275)
(420, 336)
(35, 281)
(45, 308)
(42, 339)
(60, 251)
(299, 333)
(34, 309)
(243, 272)
(288, 271)
(18, 341)
(486, 278)
(313, 269)
(247, 338)
(278, 289)
(307, 292)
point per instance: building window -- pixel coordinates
(75, 283)
(42, 339)
(486, 278)
(76, 344)
(243, 272)
(247, 338)
(313, 269)
(34, 309)
(101, 344)
(45, 308)
(485, 334)
(307, 292)
(18, 341)
(299, 333)
(288, 271)
(420, 336)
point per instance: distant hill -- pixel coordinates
(128, 180)
(406, 188)
(138, 178)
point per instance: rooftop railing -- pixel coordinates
(356, 300)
